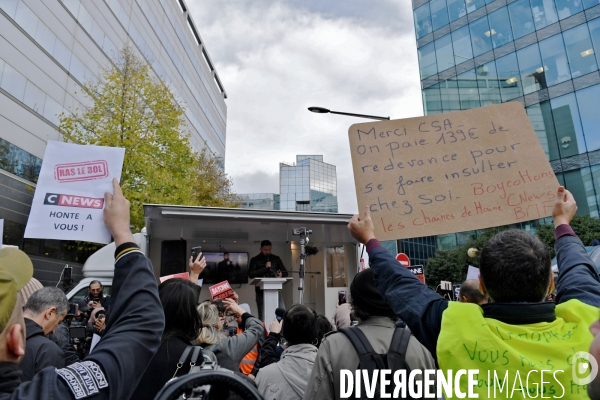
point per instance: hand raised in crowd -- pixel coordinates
(99, 324)
(196, 267)
(116, 215)
(233, 307)
(361, 228)
(275, 326)
(564, 207)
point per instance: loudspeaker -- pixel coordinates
(173, 257)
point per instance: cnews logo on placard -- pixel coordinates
(585, 368)
(68, 200)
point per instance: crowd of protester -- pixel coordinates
(153, 334)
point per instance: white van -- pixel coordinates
(100, 266)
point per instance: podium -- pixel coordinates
(271, 288)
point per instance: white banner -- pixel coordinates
(69, 197)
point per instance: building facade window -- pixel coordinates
(555, 78)
(500, 28)
(554, 57)
(427, 61)
(509, 77)
(423, 21)
(568, 125)
(566, 8)
(481, 36)
(587, 102)
(456, 9)
(444, 53)
(533, 77)
(461, 43)
(521, 18)
(439, 14)
(580, 51)
(540, 116)
(18, 162)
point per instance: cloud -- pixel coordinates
(266, 181)
(276, 59)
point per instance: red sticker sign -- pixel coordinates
(221, 290)
(82, 171)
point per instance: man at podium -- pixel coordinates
(266, 265)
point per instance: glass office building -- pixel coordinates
(542, 53)
(48, 50)
(259, 201)
(308, 185)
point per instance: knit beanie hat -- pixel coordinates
(365, 295)
(32, 286)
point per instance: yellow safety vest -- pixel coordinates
(468, 340)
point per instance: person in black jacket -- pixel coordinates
(179, 299)
(44, 310)
(266, 265)
(133, 329)
(62, 338)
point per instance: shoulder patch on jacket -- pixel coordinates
(83, 378)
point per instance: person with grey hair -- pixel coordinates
(44, 310)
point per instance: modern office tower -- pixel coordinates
(259, 201)
(308, 185)
(541, 53)
(48, 49)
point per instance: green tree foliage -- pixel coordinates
(586, 227)
(133, 110)
(452, 265)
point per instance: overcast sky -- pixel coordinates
(277, 58)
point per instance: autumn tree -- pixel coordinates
(136, 111)
(452, 265)
(586, 227)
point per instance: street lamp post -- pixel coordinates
(321, 110)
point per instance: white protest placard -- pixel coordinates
(1, 231)
(472, 272)
(69, 198)
(451, 172)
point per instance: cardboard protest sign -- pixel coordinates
(221, 290)
(451, 172)
(69, 198)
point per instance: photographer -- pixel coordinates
(266, 265)
(229, 350)
(96, 297)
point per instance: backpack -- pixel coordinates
(208, 361)
(394, 360)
